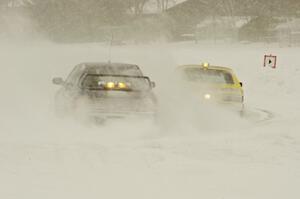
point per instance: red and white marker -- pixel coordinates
(270, 60)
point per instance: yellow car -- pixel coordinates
(214, 83)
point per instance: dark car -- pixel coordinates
(106, 90)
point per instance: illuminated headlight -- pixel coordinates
(122, 85)
(110, 85)
(207, 96)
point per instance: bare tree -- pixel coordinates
(163, 5)
(136, 6)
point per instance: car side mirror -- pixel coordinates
(241, 83)
(58, 81)
(153, 85)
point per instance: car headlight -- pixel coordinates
(122, 85)
(207, 96)
(110, 85)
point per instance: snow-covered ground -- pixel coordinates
(194, 152)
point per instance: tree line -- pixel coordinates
(72, 19)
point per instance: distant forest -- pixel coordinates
(91, 20)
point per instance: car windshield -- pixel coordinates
(126, 70)
(115, 82)
(208, 76)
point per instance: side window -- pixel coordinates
(138, 71)
(228, 78)
(75, 75)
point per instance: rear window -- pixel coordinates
(115, 82)
(208, 76)
(129, 70)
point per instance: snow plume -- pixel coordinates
(16, 25)
(194, 146)
(181, 110)
(28, 93)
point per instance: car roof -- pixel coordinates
(107, 64)
(209, 67)
(110, 68)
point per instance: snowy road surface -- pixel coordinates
(193, 153)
